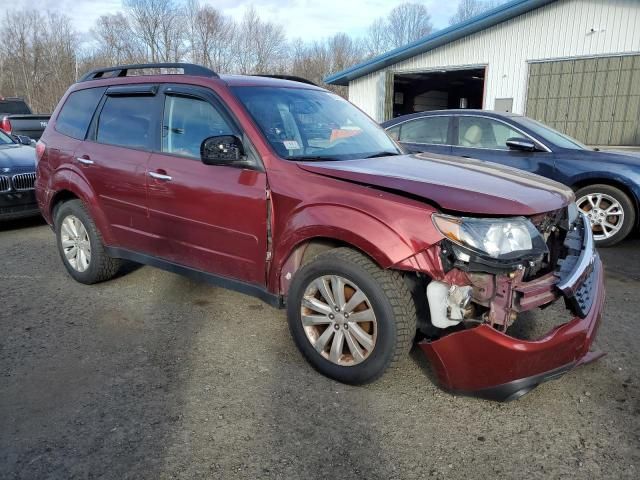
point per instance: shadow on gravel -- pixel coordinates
(8, 225)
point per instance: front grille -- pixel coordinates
(24, 181)
(5, 183)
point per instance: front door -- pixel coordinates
(210, 218)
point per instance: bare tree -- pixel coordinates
(212, 38)
(160, 27)
(117, 41)
(38, 57)
(470, 8)
(260, 46)
(405, 23)
(315, 60)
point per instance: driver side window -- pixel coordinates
(187, 123)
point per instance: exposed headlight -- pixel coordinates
(495, 237)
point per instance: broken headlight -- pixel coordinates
(500, 238)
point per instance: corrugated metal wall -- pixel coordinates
(562, 29)
(595, 100)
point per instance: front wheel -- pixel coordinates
(610, 211)
(350, 318)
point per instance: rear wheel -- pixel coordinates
(80, 245)
(351, 319)
(610, 211)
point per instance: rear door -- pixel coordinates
(208, 217)
(485, 138)
(114, 159)
(424, 134)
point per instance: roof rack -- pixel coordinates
(122, 70)
(293, 78)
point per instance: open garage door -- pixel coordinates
(596, 100)
(433, 90)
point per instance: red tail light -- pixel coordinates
(40, 149)
(5, 124)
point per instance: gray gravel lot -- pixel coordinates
(154, 376)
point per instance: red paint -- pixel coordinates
(483, 357)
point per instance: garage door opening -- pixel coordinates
(435, 90)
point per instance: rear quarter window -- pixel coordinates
(76, 113)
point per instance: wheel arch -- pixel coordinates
(612, 182)
(68, 185)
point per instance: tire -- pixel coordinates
(97, 266)
(595, 201)
(387, 299)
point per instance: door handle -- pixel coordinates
(85, 161)
(160, 176)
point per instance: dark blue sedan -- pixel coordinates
(607, 183)
(17, 178)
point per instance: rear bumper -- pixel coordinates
(487, 363)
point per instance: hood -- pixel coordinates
(454, 183)
(17, 157)
(621, 157)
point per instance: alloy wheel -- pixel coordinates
(75, 243)
(339, 320)
(605, 214)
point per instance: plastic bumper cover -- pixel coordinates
(487, 363)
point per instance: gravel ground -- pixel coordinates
(154, 376)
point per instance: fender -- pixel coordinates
(343, 224)
(69, 180)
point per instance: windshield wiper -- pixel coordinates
(382, 154)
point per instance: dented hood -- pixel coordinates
(454, 183)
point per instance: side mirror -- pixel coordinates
(221, 150)
(522, 144)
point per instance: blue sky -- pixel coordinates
(307, 19)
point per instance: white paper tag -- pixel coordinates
(291, 145)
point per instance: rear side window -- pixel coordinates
(127, 122)
(434, 130)
(75, 116)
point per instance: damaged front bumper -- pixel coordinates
(485, 362)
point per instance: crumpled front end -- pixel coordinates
(472, 307)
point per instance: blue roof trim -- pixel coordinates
(485, 20)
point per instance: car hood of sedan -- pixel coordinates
(16, 156)
(453, 183)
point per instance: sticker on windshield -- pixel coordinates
(291, 145)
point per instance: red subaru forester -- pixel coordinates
(283, 190)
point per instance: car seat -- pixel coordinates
(472, 137)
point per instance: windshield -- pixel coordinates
(551, 135)
(5, 139)
(302, 124)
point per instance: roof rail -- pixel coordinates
(122, 70)
(293, 78)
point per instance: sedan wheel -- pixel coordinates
(610, 211)
(339, 320)
(76, 243)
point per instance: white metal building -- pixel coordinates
(573, 64)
